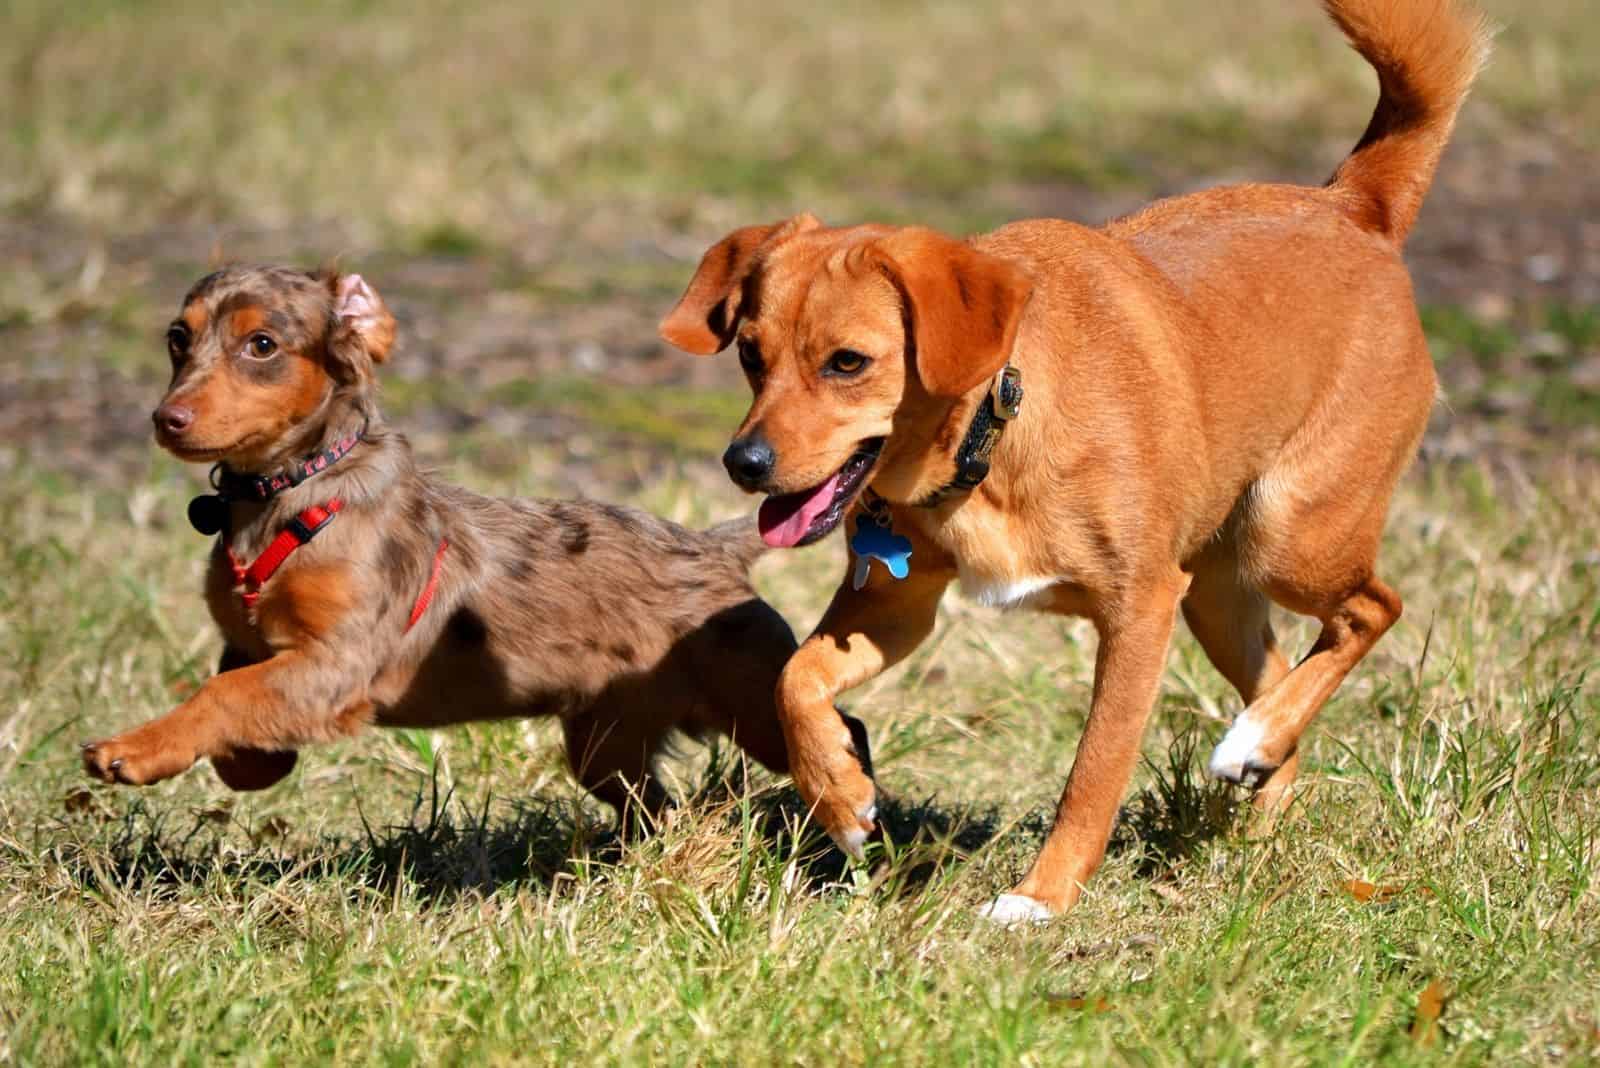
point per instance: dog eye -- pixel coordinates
(177, 340)
(749, 356)
(846, 362)
(261, 346)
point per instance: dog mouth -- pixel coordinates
(788, 520)
(191, 453)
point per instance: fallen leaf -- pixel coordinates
(79, 800)
(1425, 1024)
(1364, 891)
(1168, 893)
(1075, 1002)
(271, 827)
(220, 813)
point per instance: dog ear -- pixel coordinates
(364, 329)
(963, 306)
(708, 312)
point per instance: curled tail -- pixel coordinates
(738, 538)
(1426, 53)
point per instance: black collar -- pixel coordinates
(208, 513)
(999, 406)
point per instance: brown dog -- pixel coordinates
(352, 589)
(1221, 392)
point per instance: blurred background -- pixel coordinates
(529, 185)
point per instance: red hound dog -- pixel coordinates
(1203, 407)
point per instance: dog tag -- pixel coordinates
(875, 539)
(208, 514)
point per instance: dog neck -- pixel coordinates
(1001, 403)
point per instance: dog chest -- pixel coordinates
(1005, 591)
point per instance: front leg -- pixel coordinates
(252, 715)
(250, 769)
(1127, 675)
(863, 632)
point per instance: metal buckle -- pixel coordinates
(1007, 393)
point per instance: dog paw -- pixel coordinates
(1015, 910)
(131, 762)
(1241, 756)
(846, 805)
(853, 839)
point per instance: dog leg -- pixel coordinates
(1128, 666)
(614, 761)
(863, 632)
(1260, 746)
(245, 768)
(266, 706)
(1228, 617)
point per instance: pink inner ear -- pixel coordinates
(355, 299)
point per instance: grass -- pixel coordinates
(470, 117)
(528, 187)
(451, 897)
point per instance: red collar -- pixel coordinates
(299, 530)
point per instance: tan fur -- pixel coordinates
(1221, 393)
(626, 627)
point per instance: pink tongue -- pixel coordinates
(783, 521)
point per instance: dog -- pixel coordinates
(1203, 406)
(353, 589)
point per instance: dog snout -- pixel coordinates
(173, 419)
(749, 462)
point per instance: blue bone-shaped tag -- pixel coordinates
(875, 539)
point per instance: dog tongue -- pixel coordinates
(784, 520)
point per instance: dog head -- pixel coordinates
(262, 356)
(858, 344)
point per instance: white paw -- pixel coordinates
(854, 841)
(1237, 749)
(1011, 910)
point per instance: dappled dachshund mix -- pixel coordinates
(353, 589)
(1205, 405)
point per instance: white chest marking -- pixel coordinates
(1003, 593)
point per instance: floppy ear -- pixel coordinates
(963, 306)
(708, 312)
(364, 331)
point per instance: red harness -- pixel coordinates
(301, 529)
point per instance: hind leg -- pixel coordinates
(1315, 559)
(1228, 617)
(737, 663)
(615, 761)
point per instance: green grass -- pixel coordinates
(471, 118)
(450, 897)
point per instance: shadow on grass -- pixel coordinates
(1183, 809)
(444, 849)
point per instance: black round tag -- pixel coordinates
(208, 514)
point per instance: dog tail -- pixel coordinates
(1426, 53)
(739, 538)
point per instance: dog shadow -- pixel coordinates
(1181, 810)
(445, 847)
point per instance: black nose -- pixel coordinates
(749, 462)
(173, 418)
